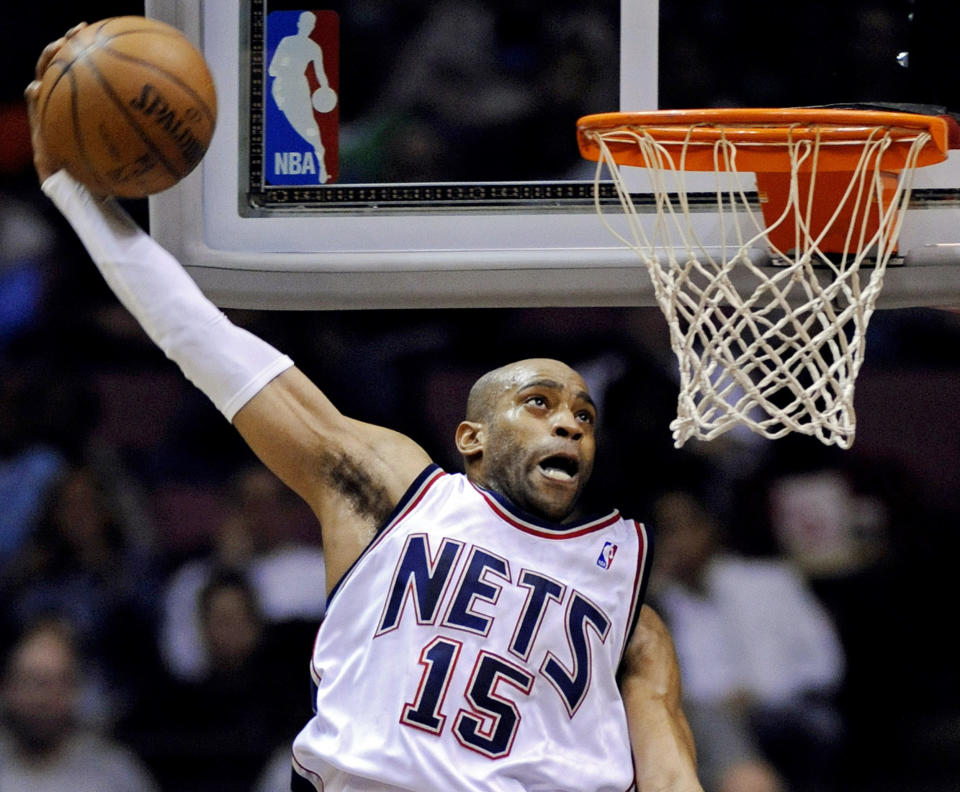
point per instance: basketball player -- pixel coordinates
(478, 637)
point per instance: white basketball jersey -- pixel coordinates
(472, 647)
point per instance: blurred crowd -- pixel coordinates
(159, 590)
(160, 580)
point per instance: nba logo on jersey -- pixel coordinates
(605, 559)
(301, 105)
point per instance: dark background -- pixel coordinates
(82, 375)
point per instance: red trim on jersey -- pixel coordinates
(541, 528)
(414, 494)
(412, 500)
(639, 583)
(306, 775)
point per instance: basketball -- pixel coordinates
(128, 106)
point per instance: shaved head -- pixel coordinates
(529, 435)
(487, 390)
(484, 393)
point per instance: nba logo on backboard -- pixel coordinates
(301, 101)
(605, 559)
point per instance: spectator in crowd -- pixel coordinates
(44, 745)
(760, 656)
(824, 526)
(216, 734)
(81, 563)
(260, 538)
(28, 463)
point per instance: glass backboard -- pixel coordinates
(382, 155)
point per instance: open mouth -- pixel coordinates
(559, 468)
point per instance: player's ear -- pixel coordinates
(470, 437)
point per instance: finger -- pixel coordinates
(50, 51)
(30, 94)
(43, 161)
(47, 55)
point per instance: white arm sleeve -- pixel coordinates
(229, 364)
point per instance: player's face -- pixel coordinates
(540, 444)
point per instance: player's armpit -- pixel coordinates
(663, 749)
(352, 474)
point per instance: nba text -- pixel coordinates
(294, 163)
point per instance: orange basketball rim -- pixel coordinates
(786, 147)
(761, 133)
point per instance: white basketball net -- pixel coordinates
(775, 348)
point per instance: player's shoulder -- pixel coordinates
(436, 488)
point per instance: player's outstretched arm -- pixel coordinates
(663, 751)
(351, 473)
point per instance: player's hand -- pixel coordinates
(42, 161)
